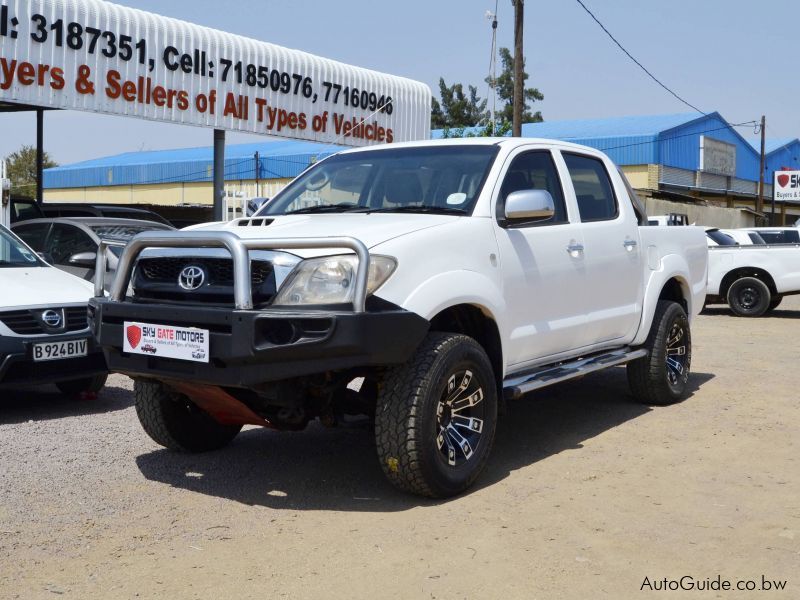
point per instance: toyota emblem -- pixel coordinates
(191, 278)
(51, 318)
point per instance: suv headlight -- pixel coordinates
(331, 280)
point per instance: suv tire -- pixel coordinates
(177, 423)
(749, 297)
(436, 416)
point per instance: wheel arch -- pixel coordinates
(479, 323)
(740, 272)
(675, 287)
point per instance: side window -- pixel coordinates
(593, 189)
(66, 240)
(33, 235)
(533, 171)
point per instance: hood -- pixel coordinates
(25, 287)
(372, 229)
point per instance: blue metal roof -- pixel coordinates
(277, 160)
(672, 140)
(782, 153)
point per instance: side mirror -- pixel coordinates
(530, 204)
(83, 259)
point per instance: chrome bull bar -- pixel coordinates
(239, 251)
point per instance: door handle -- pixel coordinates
(575, 249)
(629, 245)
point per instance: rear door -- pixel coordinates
(610, 231)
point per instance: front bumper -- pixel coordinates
(249, 347)
(17, 367)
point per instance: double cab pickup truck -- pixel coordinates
(421, 284)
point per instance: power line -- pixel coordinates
(676, 137)
(641, 66)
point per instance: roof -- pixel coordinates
(277, 159)
(609, 127)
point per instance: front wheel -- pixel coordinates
(177, 423)
(436, 416)
(662, 377)
(749, 297)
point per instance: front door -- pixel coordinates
(543, 265)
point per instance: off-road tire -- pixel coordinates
(408, 421)
(650, 378)
(175, 422)
(749, 297)
(74, 387)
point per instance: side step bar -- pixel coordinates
(517, 385)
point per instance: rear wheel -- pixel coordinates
(749, 297)
(436, 416)
(662, 376)
(177, 423)
(90, 385)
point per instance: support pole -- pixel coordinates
(518, 68)
(39, 155)
(219, 173)
(760, 199)
(258, 169)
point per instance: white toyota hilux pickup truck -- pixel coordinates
(422, 284)
(752, 279)
(44, 329)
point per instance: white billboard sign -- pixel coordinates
(96, 56)
(717, 157)
(786, 186)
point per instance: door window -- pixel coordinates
(593, 189)
(66, 240)
(33, 235)
(533, 171)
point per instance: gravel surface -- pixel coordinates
(586, 494)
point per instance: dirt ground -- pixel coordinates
(585, 496)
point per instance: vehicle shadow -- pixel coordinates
(778, 313)
(45, 403)
(336, 469)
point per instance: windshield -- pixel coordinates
(13, 253)
(445, 179)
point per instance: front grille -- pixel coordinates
(157, 279)
(28, 322)
(220, 270)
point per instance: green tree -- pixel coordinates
(22, 170)
(504, 88)
(457, 108)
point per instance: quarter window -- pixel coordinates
(593, 189)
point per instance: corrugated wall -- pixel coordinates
(680, 147)
(190, 171)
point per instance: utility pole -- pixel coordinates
(519, 6)
(258, 168)
(760, 199)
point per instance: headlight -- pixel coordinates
(331, 280)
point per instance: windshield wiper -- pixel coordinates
(323, 208)
(436, 210)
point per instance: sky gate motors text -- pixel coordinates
(168, 333)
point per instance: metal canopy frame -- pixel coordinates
(219, 154)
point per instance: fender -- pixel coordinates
(459, 287)
(669, 267)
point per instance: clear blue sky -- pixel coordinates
(733, 56)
